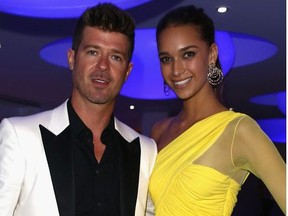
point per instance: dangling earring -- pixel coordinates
(215, 75)
(166, 89)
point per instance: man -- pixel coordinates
(78, 159)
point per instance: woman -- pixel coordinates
(206, 152)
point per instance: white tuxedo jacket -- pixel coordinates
(36, 173)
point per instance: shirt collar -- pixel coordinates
(77, 125)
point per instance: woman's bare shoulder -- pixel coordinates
(159, 128)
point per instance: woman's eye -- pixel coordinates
(189, 54)
(164, 59)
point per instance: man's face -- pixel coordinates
(100, 66)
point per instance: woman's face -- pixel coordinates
(184, 59)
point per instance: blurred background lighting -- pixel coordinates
(58, 8)
(275, 99)
(146, 82)
(222, 9)
(274, 128)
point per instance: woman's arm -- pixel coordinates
(260, 156)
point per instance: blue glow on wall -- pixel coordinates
(274, 128)
(145, 81)
(250, 49)
(274, 99)
(58, 8)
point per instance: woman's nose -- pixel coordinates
(178, 68)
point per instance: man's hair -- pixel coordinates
(107, 17)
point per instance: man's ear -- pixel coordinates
(71, 59)
(129, 69)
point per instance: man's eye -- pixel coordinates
(116, 58)
(92, 52)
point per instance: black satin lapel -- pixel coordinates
(129, 162)
(59, 153)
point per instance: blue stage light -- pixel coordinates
(274, 128)
(57, 8)
(275, 99)
(146, 82)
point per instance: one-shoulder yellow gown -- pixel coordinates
(179, 187)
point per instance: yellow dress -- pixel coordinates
(180, 187)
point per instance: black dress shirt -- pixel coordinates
(97, 188)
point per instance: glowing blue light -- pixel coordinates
(277, 99)
(250, 49)
(281, 99)
(58, 8)
(274, 128)
(146, 82)
(226, 50)
(56, 52)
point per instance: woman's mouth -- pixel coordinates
(182, 82)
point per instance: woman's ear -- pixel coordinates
(213, 53)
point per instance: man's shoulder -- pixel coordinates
(129, 133)
(148, 145)
(28, 119)
(41, 117)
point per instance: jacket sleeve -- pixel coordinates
(150, 211)
(12, 168)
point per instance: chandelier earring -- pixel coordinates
(166, 89)
(215, 75)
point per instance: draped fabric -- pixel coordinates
(180, 187)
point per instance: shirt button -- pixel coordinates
(97, 172)
(99, 204)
